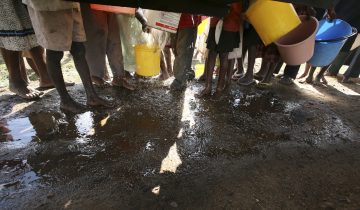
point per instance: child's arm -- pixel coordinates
(139, 14)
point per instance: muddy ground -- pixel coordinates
(253, 148)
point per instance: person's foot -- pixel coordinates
(96, 101)
(246, 81)
(284, 80)
(237, 75)
(99, 82)
(190, 75)
(164, 76)
(308, 80)
(72, 106)
(204, 93)
(330, 74)
(51, 85)
(177, 86)
(128, 75)
(258, 77)
(346, 80)
(302, 76)
(124, 83)
(323, 80)
(25, 91)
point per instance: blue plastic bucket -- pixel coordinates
(330, 38)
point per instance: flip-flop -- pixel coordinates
(247, 83)
(236, 76)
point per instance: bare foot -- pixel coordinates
(123, 82)
(204, 93)
(99, 82)
(346, 80)
(308, 80)
(323, 80)
(302, 76)
(49, 86)
(96, 101)
(25, 91)
(72, 106)
(164, 76)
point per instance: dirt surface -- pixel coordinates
(253, 148)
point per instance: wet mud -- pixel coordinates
(251, 148)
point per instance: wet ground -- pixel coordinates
(272, 148)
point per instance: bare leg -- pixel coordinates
(164, 75)
(239, 69)
(39, 66)
(23, 71)
(17, 84)
(307, 69)
(32, 66)
(224, 67)
(310, 77)
(210, 64)
(53, 62)
(320, 76)
(167, 54)
(248, 78)
(230, 71)
(263, 70)
(78, 53)
(270, 72)
(203, 77)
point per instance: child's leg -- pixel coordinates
(263, 70)
(230, 71)
(164, 74)
(37, 56)
(307, 69)
(240, 66)
(224, 67)
(167, 54)
(320, 76)
(203, 77)
(78, 53)
(17, 84)
(53, 62)
(310, 77)
(210, 64)
(239, 69)
(23, 71)
(249, 76)
(270, 72)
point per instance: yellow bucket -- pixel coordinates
(147, 60)
(272, 19)
(199, 70)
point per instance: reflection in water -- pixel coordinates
(85, 126)
(156, 190)
(172, 161)
(21, 132)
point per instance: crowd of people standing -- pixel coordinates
(42, 30)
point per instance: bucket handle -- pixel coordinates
(354, 32)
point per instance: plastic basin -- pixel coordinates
(297, 47)
(147, 59)
(272, 19)
(330, 38)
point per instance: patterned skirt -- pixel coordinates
(16, 31)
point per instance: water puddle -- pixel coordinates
(17, 133)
